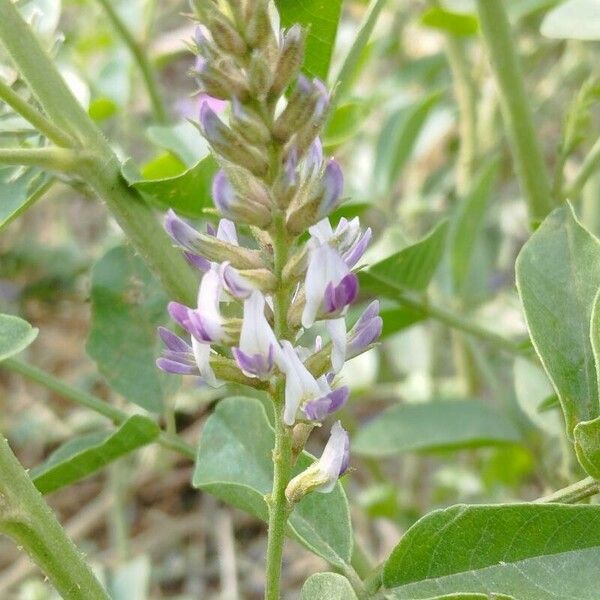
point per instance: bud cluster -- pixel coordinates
(273, 186)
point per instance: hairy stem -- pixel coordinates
(27, 519)
(139, 55)
(82, 398)
(103, 174)
(21, 106)
(51, 159)
(574, 493)
(279, 508)
(528, 158)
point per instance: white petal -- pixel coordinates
(202, 356)
(226, 232)
(332, 458)
(337, 332)
(321, 231)
(209, 296)
(256, 336)
(300, 385)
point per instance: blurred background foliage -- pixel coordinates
(437, 416)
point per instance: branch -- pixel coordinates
(37, 119)
(587, 169)
(158, 108)
(574, 493)
(526, 149)
(51, 159)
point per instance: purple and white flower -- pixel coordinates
(366, 330)
(258, 350)
(314, 397)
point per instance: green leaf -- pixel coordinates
(189, 194)
(461, 596)
(573, 20)
(182, 139)
(558, 275)
(128, 305)
(15, 335)
(529, 551)
(441, 425)
(83, 456)
(234, 463)
(397, 319)
(321, 17)
(410, 269)
(20, 190)
(397, 141)
(466, 226)
(458, 24)
(327, 586)
(345, 121)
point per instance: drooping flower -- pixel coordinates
(258, 350)
(323, 474)
(303, 392)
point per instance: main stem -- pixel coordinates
(527, 152)
(27, 519)
(279, 508)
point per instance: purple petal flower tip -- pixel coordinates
(333, 186)
(257, 365)
(355, 253)
(319, 409)
(198, 262)
(341, 295)
(175, 367)
(366, 330)
(182, 233)
(172, 341)
(222, 192)
(211, 124)
(179, 313)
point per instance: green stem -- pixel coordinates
(51, 159)
(139, 55)
(279, 508)
(526, 149)
(27, 519)
(133, 215)
(590, 165)
(82, 398)
(21, 106)
(574, 493)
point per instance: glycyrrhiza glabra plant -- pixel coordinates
(274, 186)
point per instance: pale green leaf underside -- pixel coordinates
(234, 463)
(558, 275)
(434, 426)
(327, 586)
(574, 20)
(15, 335)
(529, 551)
(83, 456)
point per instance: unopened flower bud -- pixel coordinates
(248, 124)
(290, 59)
(230, 145)
(311, 128)
(319, 201)
(221, 79)
(323, 474)
(260, 75)
(259, 30)
(297, 111)
(366, 331)
(234, 207)
(225, 35)
(286, 184)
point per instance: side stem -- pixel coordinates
(158, 108)
(27, 519)
(590, 165)
(527, 152)
(574, 493)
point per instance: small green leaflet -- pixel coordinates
(321, 18)
(441, 425)
(80, 457)
(458, 24)
(558, 275)
(15, 335)
(234, 463)
(410, 269)
(528, 551)
(327, 586)
(128, 304)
